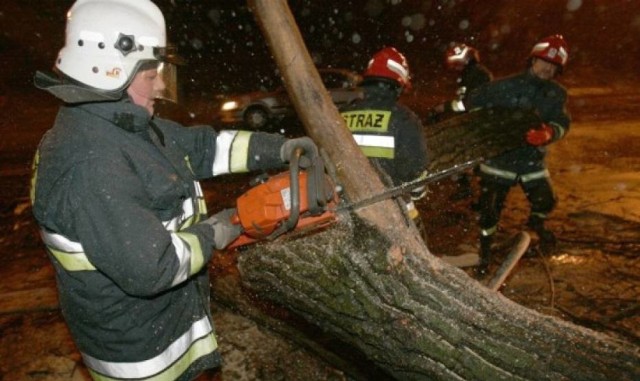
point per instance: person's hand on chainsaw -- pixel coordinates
(224, 231)
(540, 135)
(309, 151)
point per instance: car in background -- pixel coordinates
(258, 109)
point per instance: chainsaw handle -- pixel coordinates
(294, 170)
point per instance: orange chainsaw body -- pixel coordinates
(263, 208)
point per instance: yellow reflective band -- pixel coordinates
(535, 175)
(238, 161)
(188, 163)
(72, 261)
(197, 258)
(34, 177)
(379, 152)
(201, 202)
(411, 210)
(202, 205)
(559, 129)
(200, 348)
(488, 232)
(367, 120)
(498, 172)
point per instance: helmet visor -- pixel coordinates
(168, 73)
(168, 54)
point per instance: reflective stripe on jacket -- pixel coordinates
(119, 205)
(388, 133)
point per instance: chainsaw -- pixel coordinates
(306, 199)
(298, 199)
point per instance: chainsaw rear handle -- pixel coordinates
(308, 147)
(294, 170)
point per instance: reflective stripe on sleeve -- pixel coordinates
(232, 152)
(68, 253)
(189, 253)
(240, 152)
(559, 130)
(197, 342)
(376, 145)
(489, 231)
(457, 106)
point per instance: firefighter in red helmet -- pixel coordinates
(533, 90)
(389, 133)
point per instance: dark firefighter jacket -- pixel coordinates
(118, 202)
(523, 91)
(472, 76)
(389, 134)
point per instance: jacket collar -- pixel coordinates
(122, 113)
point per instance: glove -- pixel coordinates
(224, 231)
(309, 151)
(540, 136)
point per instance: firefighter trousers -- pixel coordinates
(495, 190)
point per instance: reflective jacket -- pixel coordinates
(389, 134)
(117, 198)
(524, 91)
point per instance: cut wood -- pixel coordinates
(520, 246)
(462, 260)
(44, 298)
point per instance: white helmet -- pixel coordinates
(106, 42)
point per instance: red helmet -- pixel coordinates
(553, 49)
(389, 63)
(459, 55)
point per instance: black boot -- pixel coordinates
(485, 255)
(547, 238)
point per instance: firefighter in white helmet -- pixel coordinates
(116, 195)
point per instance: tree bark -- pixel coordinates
(417, 322)
(370, 281)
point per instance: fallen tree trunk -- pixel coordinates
(417, 322)
(370, 282)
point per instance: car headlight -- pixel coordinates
(230, 105)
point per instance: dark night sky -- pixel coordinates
(227, 52)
